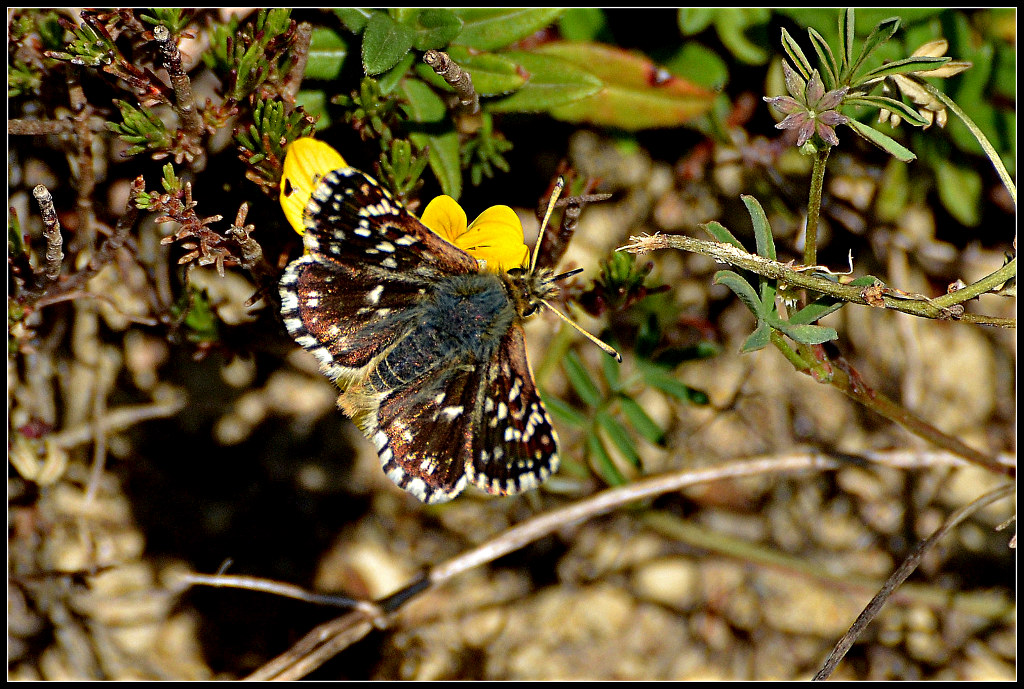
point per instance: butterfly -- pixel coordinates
(427, 348)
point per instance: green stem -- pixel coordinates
(989, 149)
(844, 379)
(799, 277)
(814, 206)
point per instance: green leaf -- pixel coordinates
(731, 26)
(552, 82)
(847, 32)
(830, 69)
(759, 339)
(908, 113)
(636, 94)
(435, 29)
(796, 56)
(354, 18)
(762, 230)
(805, 334)
(314, 103)
(385, 42)
(659, 378)
(611, 369)
(742, 289)
(327, 51)
(641, 422)
(693, 20)
(421, 103)
(884, 142)
(879, 35)
(390, 80)
(700, 65)
(910, 64)
(721, 234)
(619, 436)
(960, 191)
(581, 380)
(443, 154)
(565, 413)
(816, 310)
(583, 24)
(493, 28)
(603, 461)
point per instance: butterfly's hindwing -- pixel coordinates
(424, 433)
(514, 447)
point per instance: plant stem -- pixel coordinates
(814, 206)
(801, 277)
(989, 149)
(842, 378)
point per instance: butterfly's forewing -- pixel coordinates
(514, 446)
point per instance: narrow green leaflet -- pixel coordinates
(905, 111)
(759, 339)
(619, 436)
(327, 51)
(564, 412)
(641, 421)
(552, 82)
(879, 35)
(742, 289)
(493, 28)
(884, 142)
(910, 64)
(581, 381)
(603, 461)
(796, 56)
(830, 72)
(762, 230)
(721, 234)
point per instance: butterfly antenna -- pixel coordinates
(555, 193)
(607, 348)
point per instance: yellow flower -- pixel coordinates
(305, 163)
(495, 238)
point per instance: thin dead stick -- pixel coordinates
(331, 638)
(456, 77)
(900, 575)
(51, 231)
(278, 588)
(184, 101)
(117, 420)
(300, 56)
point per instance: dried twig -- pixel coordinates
(900, 575)
(300, 55)
(51, 231)
(182, 85)
(456, 77)
(941, 308)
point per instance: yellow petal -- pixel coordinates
(305, 163)
(446, 218)
(496, 236)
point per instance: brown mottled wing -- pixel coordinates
(515, 447)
